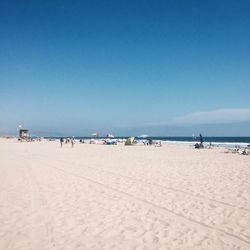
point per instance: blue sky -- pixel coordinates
(124, 66)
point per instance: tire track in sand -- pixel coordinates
(196, 196)
(156, 207)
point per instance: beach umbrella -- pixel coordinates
(110, 136)
(143, 136)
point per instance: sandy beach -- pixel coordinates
(118, 197)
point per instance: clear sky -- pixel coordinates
(93, 65)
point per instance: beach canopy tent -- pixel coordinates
(110, 136)
(95, 134)
(143, 136)
(24, 133)
(130, 141)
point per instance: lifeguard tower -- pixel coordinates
(24, 134)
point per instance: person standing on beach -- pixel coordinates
(72, 142)
(61, 141)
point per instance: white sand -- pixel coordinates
(117, 197)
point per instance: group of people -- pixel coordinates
(68, 140)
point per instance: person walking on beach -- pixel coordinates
(72, 142)
(61, 141)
